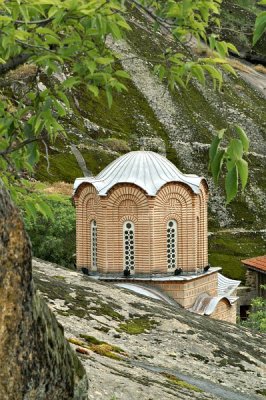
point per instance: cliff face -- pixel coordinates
(138, 348)
(36, 362)
(181, 125)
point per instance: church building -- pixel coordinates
(142, 223)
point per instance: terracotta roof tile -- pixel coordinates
(258, 263)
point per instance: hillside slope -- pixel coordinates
(138, 348)
(181, 125)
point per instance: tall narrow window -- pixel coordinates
(94, 244)
(129, 245)
(171, 244)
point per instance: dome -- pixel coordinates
(146, 169)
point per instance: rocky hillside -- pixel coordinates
(179, 124)
(138, 348)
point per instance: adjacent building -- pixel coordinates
(256, 274)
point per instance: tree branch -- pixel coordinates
(14, 62)
(19, 146)
(166, 25)
(37, 22)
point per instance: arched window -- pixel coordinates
(94, 245)
(129, 245)
(171, 244)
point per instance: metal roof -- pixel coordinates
(146, 169)
(151, 292)
(258, 263)
(205, 304)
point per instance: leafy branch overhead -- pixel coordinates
(260, 24)
(70, 40)
(230, 158)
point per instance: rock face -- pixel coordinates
(138, 348)
(36, 361)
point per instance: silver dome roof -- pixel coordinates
(146, 169)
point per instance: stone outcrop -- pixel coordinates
(138, 348)
(36, 361)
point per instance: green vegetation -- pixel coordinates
(227, 249)
(257, 316)
(99, 347)
(137, 325)
(54, 240)
(232, 157)
(178, 382)
(63, 61)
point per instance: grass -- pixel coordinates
(137, 326)
(60, 187)
(260, 68)
(179, 382)
(226, 250)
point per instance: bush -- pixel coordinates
(257, 317)
(54, 240)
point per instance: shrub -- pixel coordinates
(54, 240)
(257, 317)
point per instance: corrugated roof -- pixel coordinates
(146, 169)
(258, 263)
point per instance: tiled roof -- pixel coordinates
(258, 263)
(146, 169)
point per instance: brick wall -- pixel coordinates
(225, 311)
(150, 215)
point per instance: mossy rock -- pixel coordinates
(137, 325)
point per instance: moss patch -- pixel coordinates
(137, 326)
(99, 347)
(179, 382)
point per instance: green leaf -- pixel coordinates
(44, 209)
(104, 60)
(231, 184)
(221, 48)
(232, 47)
(260, 27)
(122, 74)
(242, 167)
(30, 209)
(109, 97)
(229, 68)
(215, 144)
(235, 149)
(216, 165)
(94, 90)
(70, 82)
(243, 137)
(198, 72)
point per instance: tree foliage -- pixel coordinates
(260, 24)
(53, 240)
(257, 316)
(230, 157)
(70, 38)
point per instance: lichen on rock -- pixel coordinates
(36, 361)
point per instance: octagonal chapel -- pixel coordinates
(142, 224)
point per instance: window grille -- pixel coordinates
(129, 245)
(94, 244)
(171, 244)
